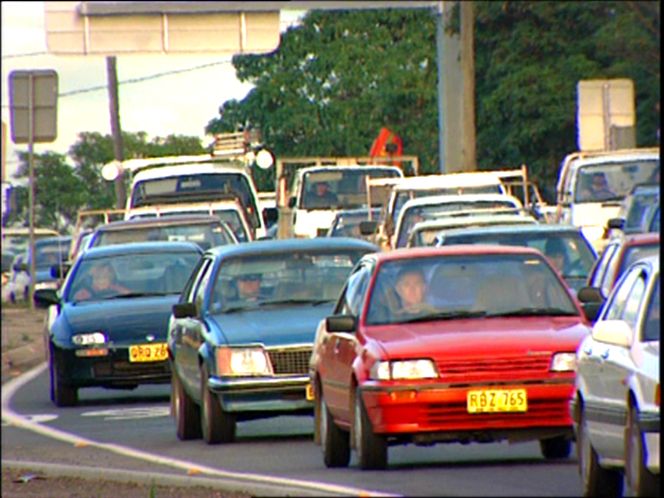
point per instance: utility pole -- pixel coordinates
(468, 74)
(114, 103)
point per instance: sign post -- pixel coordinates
(33, 97)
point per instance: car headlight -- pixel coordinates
(563, 362)
(242, 361)
(403, 369)
(87, 339)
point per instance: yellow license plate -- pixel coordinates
(496, 400)
(309, 392)
(148, 352)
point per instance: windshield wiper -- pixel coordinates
(138, 294)
(445, 315)
(278, 302)
(535, 311)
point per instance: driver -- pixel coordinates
(103, 283)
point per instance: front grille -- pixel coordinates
(495, 366)
(290, 361)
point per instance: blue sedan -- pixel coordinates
(241, 337)
(108, 324)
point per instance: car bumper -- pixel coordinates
(113, 370)
(418, 409)
(262, 394)
(649, 423)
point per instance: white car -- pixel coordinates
(616, 405)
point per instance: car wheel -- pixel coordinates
(317, 413)
(218, 425)
(596, 481)
(62, 394)
(185, 410)
(556, 447)
(640, 481)
(371, 448)
(335, 442)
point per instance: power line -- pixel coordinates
(16, 56)
(143, 78)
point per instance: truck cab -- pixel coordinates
(592, 187)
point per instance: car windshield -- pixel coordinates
(638, 208)
(402, 196)
(281, 279)
(52, 253)
(577, 257)
(613, 181)
(652, 330)
(154, 273)
(199, 186)
(417, 214)
(340, 188)
(204, 235)
(429, 235)
(466, 286)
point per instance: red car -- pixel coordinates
(467, 343)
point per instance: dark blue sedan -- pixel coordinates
(241, 337)
(108, 324)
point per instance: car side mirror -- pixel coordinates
(615, 223)
(291, 202)
(592, 301)
(59, 271)
(184, 310)
(368, 227)
(616, 332)
(43, 298)
(340, 323)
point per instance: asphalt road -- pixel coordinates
(133, 429)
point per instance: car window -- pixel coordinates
(599, 268)
(651, 329)
(201, 286)
(615, 307)
(355, 292)
(634, 298)
(634, 253)
(189, 290)
(610, 272)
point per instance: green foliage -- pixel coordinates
(61, 191)
(340, 76)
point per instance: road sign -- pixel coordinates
(33, 99)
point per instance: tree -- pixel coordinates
(340, 76)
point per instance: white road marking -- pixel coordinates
(13, 418)
(130, 413)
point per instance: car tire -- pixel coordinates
(595, 480)
(640, 481)
(371, 448)
(317, 413)
(185, 410)
(335, 441)
(62, 393)
(217, 425)
(556, 447)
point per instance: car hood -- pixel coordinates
(123, 320)
(475, 337)
(271, 326)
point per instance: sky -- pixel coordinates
(181, 103)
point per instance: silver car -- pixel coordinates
(617, 397)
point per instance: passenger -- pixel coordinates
(249, 286)
(412, 290)
(322, 196)
(598, 189)
(555, 251)
(103, 284)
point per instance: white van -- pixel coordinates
(193, 179)
(582, 205)
(346, 189)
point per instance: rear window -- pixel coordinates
(205, 236)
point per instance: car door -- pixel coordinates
(617, 363)
(605, 397)
(189, 333)
(341, 346)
